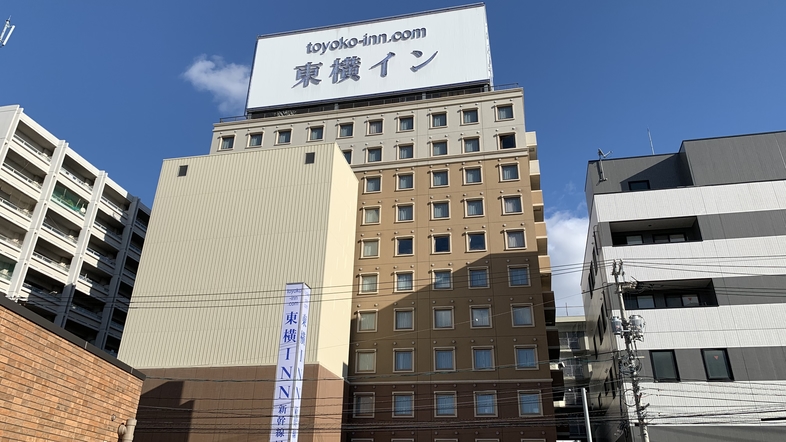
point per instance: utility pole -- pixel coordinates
(632, 329)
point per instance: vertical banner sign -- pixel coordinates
(291, 361)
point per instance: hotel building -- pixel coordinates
(70, 237)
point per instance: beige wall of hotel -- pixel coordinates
(222, 242)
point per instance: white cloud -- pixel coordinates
(567, 237)
(228, 82)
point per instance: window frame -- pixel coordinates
(469, 278)
(398, 181)
(531, 308)
(342, 125)
(251, 137)
(404, 117)
(534, 349)
(225, 138)
(436, 404)
(399, 148)
(365, 185)
(447, 178)
(502, 173)
(396, 245)
(311, 133)
(395, 319)
(360, 314)
(472, 317)
(507, 197)
(398, 220)
(464, 112)
(507, 232)
(411, 288)
(494, 405)
(434, 318)
(434, 279)
(278, 137)
(464, 175)
(464, 144)
(488, 348)
(482, 205)
(434, 237)
(485, 241)
(502, 137)
(730, 377)
(368, 154)
(655, 376)
(363, 221)
(411, 351)
(500, 106)
(452, 351)
(519, 266)
(363, 248)
(433, 146)
(411, 414)
(433, 208)
(432, 120)
(369, 415)
(372, 123)
(538, 393)
(345, 152)
(373, 354)
(360, 283)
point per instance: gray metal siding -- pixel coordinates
(742, 290)
(742, 159)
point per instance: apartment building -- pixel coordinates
(448, 324)
(574, 364)
(70, 237)
(702, 233)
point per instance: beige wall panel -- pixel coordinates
(222, 242)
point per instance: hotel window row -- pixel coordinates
(443, 318)
(442, 243)
(446, 404)
(441, 178)
(436, 148)
(445, 359)
(442, 279)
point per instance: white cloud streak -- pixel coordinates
(228, 82)
(567, 237)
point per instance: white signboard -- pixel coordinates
(406, 53)
(291, 360)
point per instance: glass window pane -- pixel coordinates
(510, 172)
(515, 240)
(284, 136)
(440, 148)
(505, 112)
(348, 156)
(375, 127)
(404, 319)
(368, 321)
(403, 360)
(477, 241)
(677, 237)
(405, 213)
(405, 181)
(470, 116)
(484, 404)
(405, 152)
(402, 405)
(475, 208)
(443, 359)
(690, 300)
(406, 123)
(664, 366)
(512, 204)
(366, 361)
(673, 301)
(440, 178)
(646, 301)
(443, 318)
(404, 246)
(442, 280)
(481, 317)
(441, 244)
(473, 175)
(472, 145)
(370, 248)
(373, 184)
(256, 140)
(404, 281)
(633, 240)
(483, 359)
(525, 358)
(368, 283)
(374, 155)
(439, 120)
(371, 216)
(478, 278)
(446, 404)
(507, 141)
(345, 130)
(227, 142)
(717, 365)
(364, 405)
(529, 403)
(316, 133)
(522, 315)
(518, 276)
(441, 210)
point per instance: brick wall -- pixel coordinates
(56, 387)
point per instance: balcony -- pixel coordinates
(69, 204)
(29, 186)
(142, 226)
(10, 246)
(542, 238)
(32, 149)
(93, 285)
(114, 239)
(534, 174)
(14, 213)
(79, 182)
(62, 240)
(48, 298)
(114, 209)
(61, 267)
(135, 249)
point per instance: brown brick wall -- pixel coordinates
(52, 389)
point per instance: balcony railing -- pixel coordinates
(140, 224)
(86, 312)
(116, 325)
(69, 238)
(94, 284)
(100, 257)
(52, 262)
(53, 295)
(13, 242)
(32, 149)
(24, 212)
(84, 184)
(108, 231)
(22, 176)
(114, 206)
(130, 273)
(69, 205)
(135, 249)
(6, 274)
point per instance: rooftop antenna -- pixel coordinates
(651, 146)
(601, 156)
(8, 29)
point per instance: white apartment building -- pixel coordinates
(70, 237)
(703, 233)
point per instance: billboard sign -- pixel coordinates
(366, 59)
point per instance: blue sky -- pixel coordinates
(109, 78)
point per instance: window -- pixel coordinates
(478, 278)
(511, 204)
(365, 361)
(443, 318)
(445, 404)
(439, 148)
(404, 320)
(345, 130)
(664, 366)
(406, 181)
(470, 116)
(405, 213)
(521, 315)
(284, 136)
(481, 317)
(443, 279)
(374, 155)
(482, 359)
(405, 152)
(373, 184)
(526, 358)
(347, 156)
(504, 112)
(474, 207)
(316, 133)
(529, 403)
(646, 301)
(403, 404)
(310, 157)
(371, 215)
(402, 360)
(439, 120)
(364, 405)
(404, 282)
(476, 241)
(507, 141)
(255, 140)
(510, 172)
(367, 321)
(471, 145)
(368, 283)
(439, 178)
(668, 237)
(472, 175)
(634, 240)
(404, 246)
(514, 239)
(370, 248)
(639, 185)
(485, 403)
(375, 127)
(444, 360)
(441, 243)
(441, 210)
(227, 143)
(716, 364)
(182, 170)
(518, 276)
(405, 124)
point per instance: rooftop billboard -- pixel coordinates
(365, 59)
